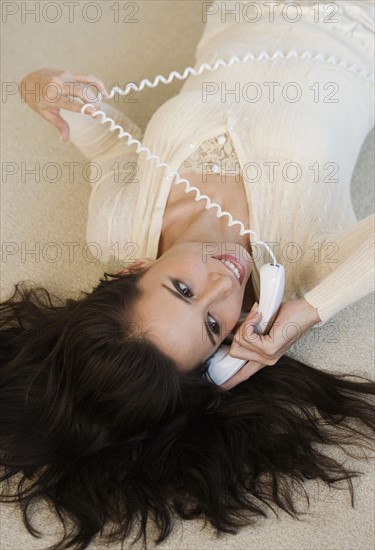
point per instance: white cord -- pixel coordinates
(234, 59)
(188, 187)
(190, 70)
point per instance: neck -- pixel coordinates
(189, 221)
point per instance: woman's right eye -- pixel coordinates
(179, 284)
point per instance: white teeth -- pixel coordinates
(233, 267)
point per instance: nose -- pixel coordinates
(218, 286)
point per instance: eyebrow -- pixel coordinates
(176, 293)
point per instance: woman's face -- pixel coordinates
(191, 301)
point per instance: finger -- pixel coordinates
(248, 370)
(240, 352)
(79, 92)
(134, 266)
(90, 79)
(54, 118)
(89, 89)
(71, 105)
(247, 353)
(246, 333)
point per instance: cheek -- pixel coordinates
(227, 327)
(233, 320)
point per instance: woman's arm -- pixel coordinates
(55, 89)
(113, 172)
(352, 276)
(293, 319)
(95, 140)
(61, 90)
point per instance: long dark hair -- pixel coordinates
(101, 423)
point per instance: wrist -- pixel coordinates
(310, 313)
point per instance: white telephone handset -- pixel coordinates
(272, 282)
(272, 276)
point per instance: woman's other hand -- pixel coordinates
(47, 91)
(293, 319)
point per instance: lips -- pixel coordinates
(235, 261)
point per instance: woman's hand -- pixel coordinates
(294, 318)
(47, 91)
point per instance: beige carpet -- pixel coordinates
(45, 216)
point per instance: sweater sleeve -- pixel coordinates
(95, 139)
(353, 277)
(114, 177)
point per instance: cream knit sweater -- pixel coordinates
(297, 155)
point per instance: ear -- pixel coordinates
(136, 265)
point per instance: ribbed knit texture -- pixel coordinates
(305, 212)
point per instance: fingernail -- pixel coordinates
(255, 307)
(135, 264)
(122, 271)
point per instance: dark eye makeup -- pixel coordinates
(214, 326)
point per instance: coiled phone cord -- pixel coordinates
(190, 70)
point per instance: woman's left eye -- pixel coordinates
(214, 326)
(179, 283)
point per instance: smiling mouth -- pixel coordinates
(234, 265)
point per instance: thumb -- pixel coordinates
(246, 340)
(54, 118)
(64, 131)
(246, 331)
